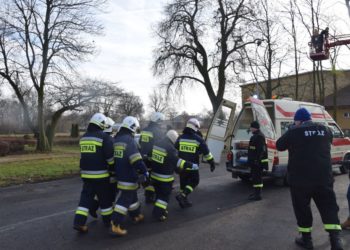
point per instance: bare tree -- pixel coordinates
(159, 101)
(39, 42)
(291, 13)
(347, 3)
(266, 60)
(333, 59)
(73, 96)
(186, 54)
(316, 19)
(130, 104)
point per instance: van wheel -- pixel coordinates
(344, 168)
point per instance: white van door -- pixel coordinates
(263, 117)
(221, 128)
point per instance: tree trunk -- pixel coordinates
(296, 71)
(323, 90)
(314, 83)
(51, 127)
(319, 85)
(42, 143)
(335, 88)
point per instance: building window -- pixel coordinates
(347, 115)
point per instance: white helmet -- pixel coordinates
(193, 123)
(157, 117)
(130, 123)
(99, 120)
(172, 135)
(109, 125)
(116, 127)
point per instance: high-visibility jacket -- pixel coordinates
(96, 148)
(149, 135)
(128, 160)
(190, 145)
(165, 161)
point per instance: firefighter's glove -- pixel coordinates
(212, 166)
(144, 179)
(195, 167)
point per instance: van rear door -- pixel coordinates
(221, 128)
(263, 117)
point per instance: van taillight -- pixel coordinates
(276, 161)
(229, 156)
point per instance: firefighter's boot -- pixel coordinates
(336, 243)
(163, 218)
(183, 201)
(256, 196)
(150, 197)
(139, 218)
(116, 230)
(305, 241)
(81, 228)
(346, 224)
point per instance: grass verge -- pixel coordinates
(27, 171)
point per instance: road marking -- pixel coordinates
(13, 226)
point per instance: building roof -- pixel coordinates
(343, 98)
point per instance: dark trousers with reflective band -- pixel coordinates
(127, 203)
(114, 191)
(92, 187)
(163, 191)
(256, 172)
(325, 201)
(189, 180)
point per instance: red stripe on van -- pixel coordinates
(285, 113)
(341, 142)
(291, 114)
(271, 143)
(337, 159)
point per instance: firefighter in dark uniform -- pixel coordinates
(96, 149)
(257, 159)
(112, 180)
(149, 135)
(310, 177)
(164, 162)
(128, 164)
(190, 145)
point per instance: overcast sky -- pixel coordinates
(125, 51)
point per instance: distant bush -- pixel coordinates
(17, 146)
(26, 137)
(66, 141)
(4, 148)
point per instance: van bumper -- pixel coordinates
(237, 170)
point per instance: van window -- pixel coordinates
(337, 133)
(220, 124)
(263, 118)
(243, 124)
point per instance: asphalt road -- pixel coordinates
(39, 216)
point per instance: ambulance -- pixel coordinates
(230, 133)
